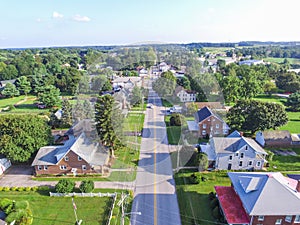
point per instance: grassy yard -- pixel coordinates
(134, 122)
(293, 124)
(59, 210)
(193, 198)
(173, 132)
(280, 60)
(187, 157)
(285, 163)
(126, 158)
(272, 98)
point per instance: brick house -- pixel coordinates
(79, 154)
(209, 123)
(267, 198)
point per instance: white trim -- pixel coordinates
(45, 167)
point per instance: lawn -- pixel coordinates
(280, 60)
(134, 122)
(293, 124)
(187, 157)
(285, 163)
(272, 98)
(173, 132)
(126, 158)
(193, 198)
(59, 210)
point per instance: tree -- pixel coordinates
(289, 82)
(183, 82)
(251, 115)
(136, 97)
(65, 186)
(22, 135)
(203, 162)
(86, 186)
(269, 87)
(50, 96)
(165, 85)
(100, 84)
(176, 119)
(9, 72)
(66, 118)
(191, 108)
(109, 122)
(23, 85)
(10, 91)
(293, 102)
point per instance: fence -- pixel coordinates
(112, 209)
(82, 194)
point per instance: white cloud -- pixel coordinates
(80, 18)
(57, 15)
(38, 20)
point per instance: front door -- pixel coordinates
(229, 166)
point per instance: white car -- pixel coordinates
(150, 106)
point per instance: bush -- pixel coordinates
(34, 188)
(204, 178)
(176, 120)
(21, 205)
(86, 186)
(195, 179)
(214, 202)
(28, 188)
(13, 188)
(211, 195)
(65, 186)
(216, 213)
(20, 188)
(6, 189)
(5, 202)
(43, 188)
(1, 188)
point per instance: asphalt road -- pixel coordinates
(155, 195)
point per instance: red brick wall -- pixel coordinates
(271, 220)
(210, 123)
(73, 162)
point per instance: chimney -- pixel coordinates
(298, 186)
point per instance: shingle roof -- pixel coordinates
(202, 114)
(277, 134)
(268, 193)
(233, 144)
(235, 134)
(92, 152)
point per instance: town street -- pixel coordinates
(155, 194)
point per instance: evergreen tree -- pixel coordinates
(66, 118)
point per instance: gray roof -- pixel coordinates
(92, 152)
(87, 126)
(268, 193)
(277, 135)
(233, 144)
(235, 134)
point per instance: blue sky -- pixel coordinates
(97, 22)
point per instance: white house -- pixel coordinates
(4, 164)
(185, 95)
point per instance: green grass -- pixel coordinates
(187, 157)
(272, 98)
(10, 101)
(285, 163)
(280, 60)
(59, 210)
(126, 158)
(134, 122)
(140, 107)
(193, 198)
(173, 132)
(293, 124)
(166, 103)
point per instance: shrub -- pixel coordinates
(21, 205)
(176, 120)
(34, 188)
(20, 188)
(195, 178)
(13, 188)
(6, 189)
(6, 205)
(1, 188)
(43, 188)
(211, 195)
(216, 213)
(65, 186)
(214, 202)
(86, 186)
(28, 188)
(204, 178)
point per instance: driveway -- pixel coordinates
(20, 176)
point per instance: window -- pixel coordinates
(62, 167)
(230, 157)
(288, 219)
(39, 167)
(45, 167)
(246, 148)
(297, 219)
(242, 155)
(204, 125)
(237, 154)
(250, 163)
(278, 221)
(79, 158)
(217, 126)
(261, 218)
(67, 158)
(83, 167)
(241, 163)
(258, 164)
(203, 132)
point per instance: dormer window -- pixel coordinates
(79, 158)
(246, 148)
(66, 158)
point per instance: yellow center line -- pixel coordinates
(154, 164)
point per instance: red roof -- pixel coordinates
(232, 206)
